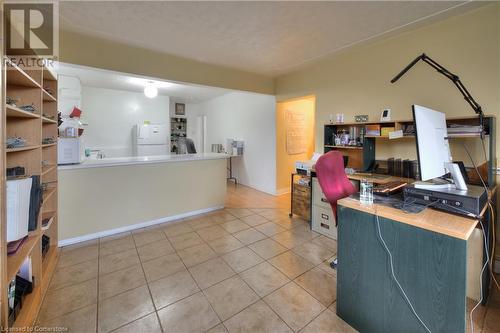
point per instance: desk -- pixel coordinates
(378, 179)
(429, 252)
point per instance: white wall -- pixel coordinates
(111, 114)
(249, 117)
(69, 93)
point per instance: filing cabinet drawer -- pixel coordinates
(323, 222)
(319, 198)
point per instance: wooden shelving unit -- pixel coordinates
(361, 158)
(37, 87)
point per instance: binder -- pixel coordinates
(35, 202)
(18, 208)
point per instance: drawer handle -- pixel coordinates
(325, 217)
(324, 200)
(326, 226)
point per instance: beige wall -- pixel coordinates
(285, 163)
(95, 52)
(100, 199)
(356, 81)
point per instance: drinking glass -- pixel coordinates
(366, 192)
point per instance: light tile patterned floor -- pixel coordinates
(219, 271)
(236, 270)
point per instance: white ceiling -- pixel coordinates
(263, 37)
(178, 92)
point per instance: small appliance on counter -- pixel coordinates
(305, 167)
(70, 151)
(234, 147)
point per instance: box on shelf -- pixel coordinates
(386, 130)
(372, 130)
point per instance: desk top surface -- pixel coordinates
(430, 219)
(378, 179)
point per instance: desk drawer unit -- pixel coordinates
(323, 220)
(301, 201)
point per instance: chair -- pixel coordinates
(332, 179)
(191, 149)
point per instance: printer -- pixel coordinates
(305, 167)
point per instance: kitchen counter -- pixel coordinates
(111, 195)
(134, 160)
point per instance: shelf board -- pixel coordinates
(47, 194)
(47, 169)
(14, 150)
(15, 260)
(27, 314)
(48, 75)
(47, 97)
(387, 137)
(46, 120)
(49, 264)
(15, 112)
(46, 145)
(344, 147)
(465, 136)
(16, 76)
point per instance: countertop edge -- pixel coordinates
(127, 163)
(417, 220)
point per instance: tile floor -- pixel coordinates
(234, 270)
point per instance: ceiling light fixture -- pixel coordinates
(150, 90)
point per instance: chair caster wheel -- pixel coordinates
(334, 263)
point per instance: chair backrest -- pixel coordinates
(191, 149)
(332, 178)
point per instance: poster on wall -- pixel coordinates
(296, 142)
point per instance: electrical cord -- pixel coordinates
(395, 278)
(471, 313)
(492, 224)
(490, 206)
(488, 261)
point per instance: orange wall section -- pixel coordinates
(285, 163)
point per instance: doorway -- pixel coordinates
(295, 119)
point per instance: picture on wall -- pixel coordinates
(296, 141)
(180, 109)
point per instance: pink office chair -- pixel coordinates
(332, 178)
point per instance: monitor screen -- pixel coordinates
(433, 149)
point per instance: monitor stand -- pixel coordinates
(439, 184)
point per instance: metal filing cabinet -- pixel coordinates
(323, 219)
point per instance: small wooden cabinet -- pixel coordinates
(301, 196)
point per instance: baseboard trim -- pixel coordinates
(283, 190)
(110, 232)
(259, 188)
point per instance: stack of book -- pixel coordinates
(464, 130)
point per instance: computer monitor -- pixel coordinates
(433, 149)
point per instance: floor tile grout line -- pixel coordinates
(276, 312)
(218, 255)
(147, 286)
(98, 282)
(201, 290)
(133, 321)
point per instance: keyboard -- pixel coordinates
(389, 188)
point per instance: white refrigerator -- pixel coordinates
(150, 139)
